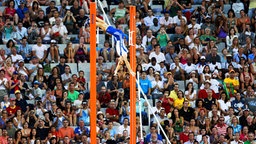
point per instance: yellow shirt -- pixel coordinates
(178, 103)
(233, 81)
(173, 95)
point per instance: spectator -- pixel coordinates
(81, 52)
(50, 9)
(20, 32)
(81, 130)
(112, 113)
(80, 19)
(118, 14)
(59, 32)
(147, 39)
(157, 137)
(84, 114)
(66, 131)
(41, 20)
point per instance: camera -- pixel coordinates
(199, 9)
(125, 103)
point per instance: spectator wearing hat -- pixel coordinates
(14, 83)
(62, 65)
(53, 52)
(102, 69)
(177, 69)
(232, 84)
(36, 91)
(200, 66)
(225, 65)
(22, 69)
(22, 103)
(12, 109)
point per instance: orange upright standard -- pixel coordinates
(132, 52)
(93, 92)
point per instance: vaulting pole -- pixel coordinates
(132, 79)
(93, 92)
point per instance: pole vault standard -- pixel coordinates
(132, 51)
(93, 92)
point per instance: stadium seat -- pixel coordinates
(181, 85)
(227, 7)
(220, 46)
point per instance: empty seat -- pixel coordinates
(181, 85)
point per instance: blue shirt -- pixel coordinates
(145, 85)
(80, 131)
(21, 12)
(251, 57)
(24, 50)
(237, 128)
(148, 137)
(237, 57)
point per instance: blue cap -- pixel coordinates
(36, 82)
(15, 73)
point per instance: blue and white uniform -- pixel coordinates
(119, 36)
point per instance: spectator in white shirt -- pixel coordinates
(178, 17)
(59, 32)
(146, 40)
(40, 51)
(157, 54)
(189, 67)
(177, 69)
(166, 21)
(15, 57)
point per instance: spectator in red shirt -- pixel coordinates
(104, 97)
(184, 136)
(202, 94)
(12, 109)
(221, 126)
(4, 137)
(112, 113)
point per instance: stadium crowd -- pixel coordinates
(195, 58)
